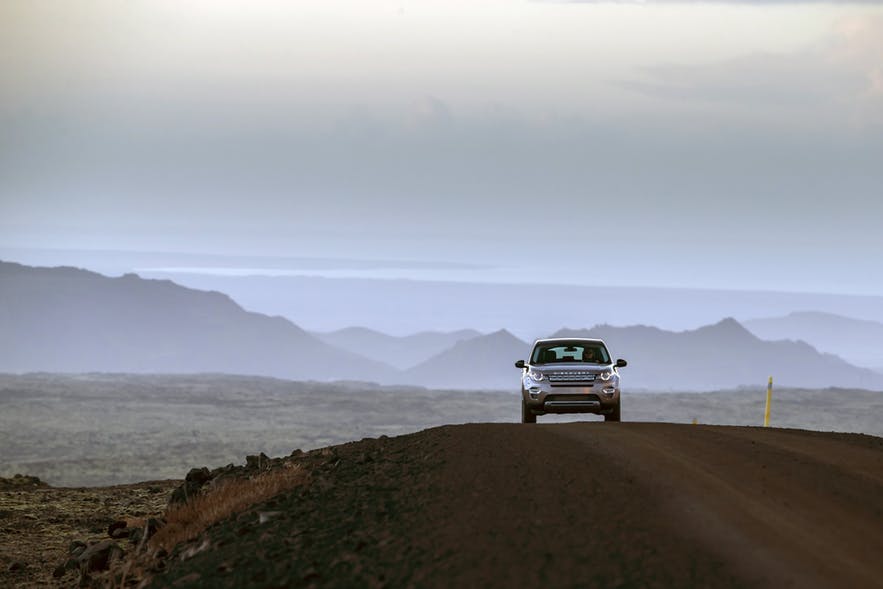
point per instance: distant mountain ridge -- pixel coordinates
(402, 352)
(70, 320)
(483, 362)
(719, 356)
(859, 341)
(723, 355)
(528, 310)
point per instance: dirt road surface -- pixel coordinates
(565, 505)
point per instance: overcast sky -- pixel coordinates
(715, 144)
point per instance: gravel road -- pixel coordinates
(566, 505)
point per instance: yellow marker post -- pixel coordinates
(769, 398)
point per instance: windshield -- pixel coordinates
(575, 351)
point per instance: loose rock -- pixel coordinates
(256, 462)
(136, 535)
(99, 556)
(61, 570)
(193, 483)
(118, 529)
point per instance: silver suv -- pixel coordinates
(568, 375)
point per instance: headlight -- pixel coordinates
(534, 375)
(606, 375)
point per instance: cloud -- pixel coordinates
(757, 2)
(429, 112)
(859, 45)
(841, 75)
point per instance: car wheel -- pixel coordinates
(526, 415)
(614, 416)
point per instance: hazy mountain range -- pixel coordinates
(71, 320)
(858, 341)
(527, 309)
(483, 362)
(402, 352)
(722, 355)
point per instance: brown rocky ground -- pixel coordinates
(563, 505)
(38, 523)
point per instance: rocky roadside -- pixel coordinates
(121, 551)
(42, 526)
(346, 524)
(95, 537)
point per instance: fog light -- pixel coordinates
(609, 390)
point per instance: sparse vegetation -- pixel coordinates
(39, 524)
(187, 521)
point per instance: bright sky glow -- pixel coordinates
(716, 137)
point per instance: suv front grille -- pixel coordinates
(569, 377)
(567, 398)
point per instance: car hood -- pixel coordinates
(568, 366)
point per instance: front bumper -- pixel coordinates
(599, 398)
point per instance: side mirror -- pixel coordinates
(621, 363)
(519, 364)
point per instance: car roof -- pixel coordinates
(568, 339)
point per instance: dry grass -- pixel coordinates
(188, 521)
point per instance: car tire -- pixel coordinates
(526, 415)
(614, 416)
